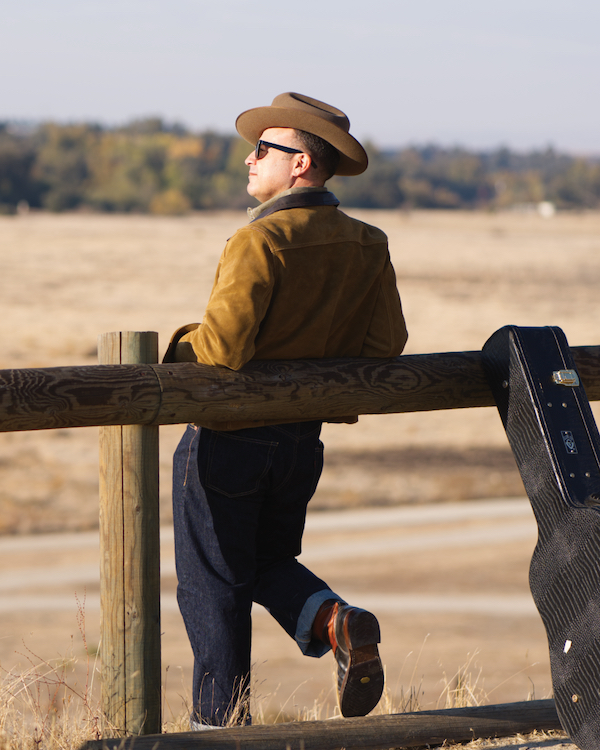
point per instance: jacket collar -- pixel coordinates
(300, 197)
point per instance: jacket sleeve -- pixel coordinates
(386, 335)
(237, 305)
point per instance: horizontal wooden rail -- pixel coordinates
(394, 730)
(39, 399)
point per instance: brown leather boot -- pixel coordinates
(353, 635)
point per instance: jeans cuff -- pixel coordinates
(307, 644)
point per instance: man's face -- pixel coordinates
(272, 172)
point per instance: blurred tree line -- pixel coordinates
(150, 166)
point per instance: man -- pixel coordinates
(302, 280)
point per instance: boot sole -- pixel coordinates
(363, 682)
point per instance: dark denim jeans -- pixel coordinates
(239, 506)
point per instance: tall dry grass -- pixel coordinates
(43, 707)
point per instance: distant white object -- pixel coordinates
(546, 209)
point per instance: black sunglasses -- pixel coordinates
(287, 149)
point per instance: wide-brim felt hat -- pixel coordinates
(297, 111)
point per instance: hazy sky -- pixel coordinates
(525, 73)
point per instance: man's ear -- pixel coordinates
(302, 165)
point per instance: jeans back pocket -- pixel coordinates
(236, 466)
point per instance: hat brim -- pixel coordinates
(252, 123)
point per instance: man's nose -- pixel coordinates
(250, 159)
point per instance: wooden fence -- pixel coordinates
(129, 395)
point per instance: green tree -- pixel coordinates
(61, 163)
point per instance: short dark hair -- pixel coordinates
(325, 157)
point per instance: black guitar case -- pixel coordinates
(556, 444)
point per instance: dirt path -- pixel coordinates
(332, 536)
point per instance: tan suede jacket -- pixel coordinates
(299, 283)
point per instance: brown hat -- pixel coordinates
(291, 110)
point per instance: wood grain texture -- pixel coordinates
(426, 728)
(129, 554)
(112, 620)
(55, 397)
(37, 399)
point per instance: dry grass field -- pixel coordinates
(66, 278)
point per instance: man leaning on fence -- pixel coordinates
(301, 281)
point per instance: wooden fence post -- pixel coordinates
(130, 557)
